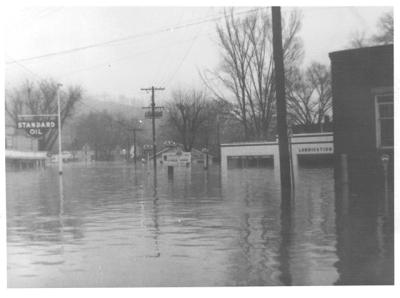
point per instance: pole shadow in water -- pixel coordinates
(61, 212)
(285, 238)
(156, 220)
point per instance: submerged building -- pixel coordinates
(363, 119)
(21, 150)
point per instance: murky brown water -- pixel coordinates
(110, 228)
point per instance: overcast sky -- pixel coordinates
(154, 53)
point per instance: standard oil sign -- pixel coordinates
(37, 126)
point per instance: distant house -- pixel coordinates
(362, 89)
(85, 154)
(19, 140)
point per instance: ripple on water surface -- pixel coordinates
(109, 226)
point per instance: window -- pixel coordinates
(384, 121)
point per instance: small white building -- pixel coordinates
(300, 145)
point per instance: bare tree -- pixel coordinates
(385, 29)
(299, 99)
(187, 113)
(384, 35)
(97, 130)
(309, 95)
(40, 98)
(246, 70)
(319, 77)
(358, 39)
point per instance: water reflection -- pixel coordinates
(114, 224)
(365, 230)
(61, 213)
(286, 238)
(155, 220)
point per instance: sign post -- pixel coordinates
(60, 161)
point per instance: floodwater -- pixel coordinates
(106, 225)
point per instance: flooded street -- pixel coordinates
(108, 226)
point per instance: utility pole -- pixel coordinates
(284, 157)
(153, 115)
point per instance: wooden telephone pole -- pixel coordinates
(284, 158)
(153, 115)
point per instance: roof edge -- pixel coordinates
(363, 49)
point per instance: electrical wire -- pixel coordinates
(126, 38)
(109, 63)
(167, 78)
(18, 62)
(183, 60)
(166, 55)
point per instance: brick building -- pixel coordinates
(362, 89)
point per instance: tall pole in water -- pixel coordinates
(281, 106)
(153, 118)
(60, 161)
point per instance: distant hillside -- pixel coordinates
(89, 105)
(92, 105)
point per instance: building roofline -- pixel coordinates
(358, 50)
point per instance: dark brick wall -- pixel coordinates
(355, 73)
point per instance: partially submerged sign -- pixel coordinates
(36, 125)
(177, 158)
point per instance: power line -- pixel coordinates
(161, 74)
(127, 38)
(144, 52)
(167, 78)
(183, 59)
